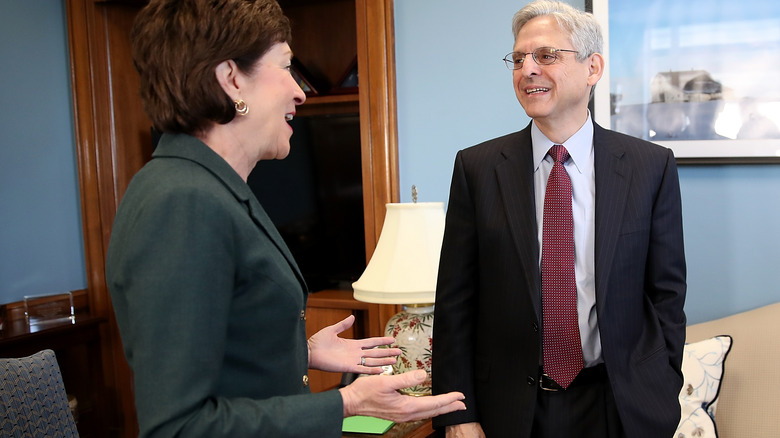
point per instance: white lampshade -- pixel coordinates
(405, 263)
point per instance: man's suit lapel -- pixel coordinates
(516, 186)
(613, 179)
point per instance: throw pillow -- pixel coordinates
(702, 369)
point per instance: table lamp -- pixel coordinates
(403, 270)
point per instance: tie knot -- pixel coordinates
(559, 153)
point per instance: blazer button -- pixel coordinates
(305, 380)
(531, 380)
(536, 328)
(303, 315)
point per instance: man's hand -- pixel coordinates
(465, 430)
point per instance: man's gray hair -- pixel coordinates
(583, 29)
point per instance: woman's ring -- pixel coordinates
(363, 361)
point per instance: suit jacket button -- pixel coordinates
(531, 381)
(305, 380)
(536, 328)
(303, 315)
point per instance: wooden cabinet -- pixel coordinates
(315, 195)
(331, 37)
(324, 43)
(113, 139)
(328, 307)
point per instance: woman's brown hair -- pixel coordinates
(177, 45)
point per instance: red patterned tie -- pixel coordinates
(561, 334)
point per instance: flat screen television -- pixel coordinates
(315, 198)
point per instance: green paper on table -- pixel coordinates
(363, 424)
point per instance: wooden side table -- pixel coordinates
(77, 347)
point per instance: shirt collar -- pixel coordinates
(578, 145)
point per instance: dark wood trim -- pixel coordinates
(379, 130)
(95, 129)
(330, 104)
(376, 69)
(81, 23)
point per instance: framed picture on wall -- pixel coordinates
(699, 76)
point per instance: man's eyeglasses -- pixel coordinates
(542, 56)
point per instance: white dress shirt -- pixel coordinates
(579, 166)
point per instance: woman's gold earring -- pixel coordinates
(241, 107)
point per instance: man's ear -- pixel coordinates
(226, 73)
(595, 68)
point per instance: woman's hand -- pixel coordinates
(378, 396)
(329, 352)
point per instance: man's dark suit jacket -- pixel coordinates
(487, 325)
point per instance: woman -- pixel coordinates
(209, 302)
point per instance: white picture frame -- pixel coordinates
(672, 67)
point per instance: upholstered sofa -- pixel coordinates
(747, 397)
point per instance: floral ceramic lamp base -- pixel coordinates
(412, 329)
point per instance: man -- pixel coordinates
(627, 278)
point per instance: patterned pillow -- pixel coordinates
(702, 370)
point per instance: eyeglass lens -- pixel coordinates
(542, 56)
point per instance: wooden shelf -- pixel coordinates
(328, 307)
(330, 104)
(336, 299)
(324, 36)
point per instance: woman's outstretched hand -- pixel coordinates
(378, 396)
(329, 352)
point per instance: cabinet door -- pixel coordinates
(327, 308)
(317, 319)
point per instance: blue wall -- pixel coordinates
(454, 91)
(41, 249)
